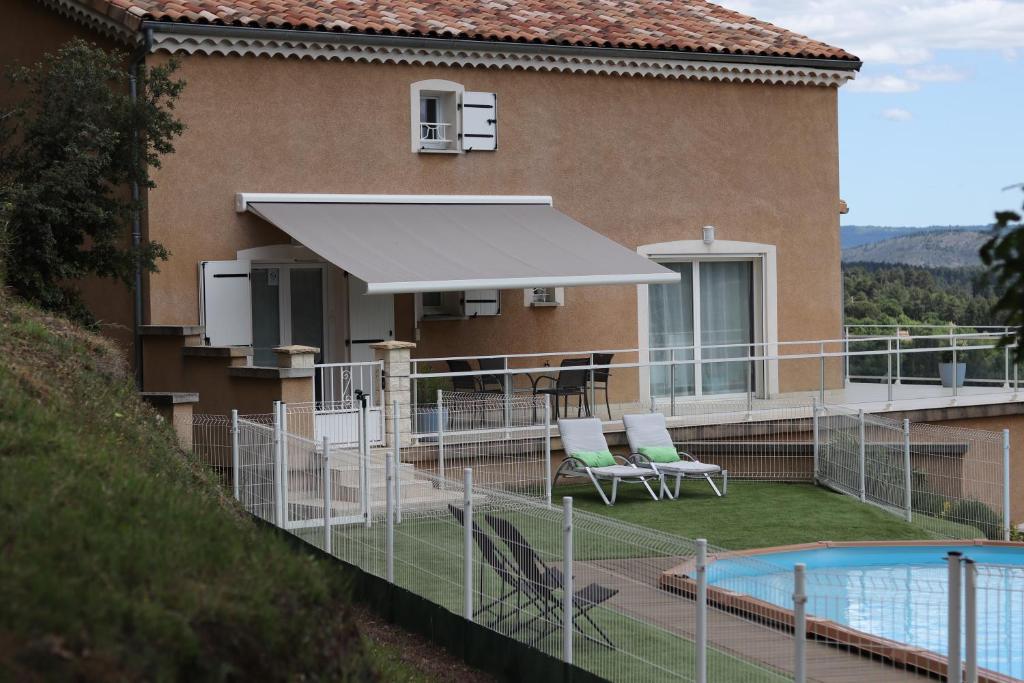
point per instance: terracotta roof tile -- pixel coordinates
(685, 25)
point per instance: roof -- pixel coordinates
(680, 25)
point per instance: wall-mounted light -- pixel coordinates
(709, 234)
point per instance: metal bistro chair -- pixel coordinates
(467, 384)
(492, 384)
(568, 383)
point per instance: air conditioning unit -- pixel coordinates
(540, 297)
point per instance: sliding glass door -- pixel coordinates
(287, 308)
(715, 302)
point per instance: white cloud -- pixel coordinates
(883, 84)
(897, 114)
(905, 32)
(936, 73)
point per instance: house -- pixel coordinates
(495, 179)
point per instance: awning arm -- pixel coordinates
(243, 199)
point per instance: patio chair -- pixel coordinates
(652, 446)
(463, 383)
(543, 581)
(511, 580)
(587, 455)
(568, 382)
(492, 384)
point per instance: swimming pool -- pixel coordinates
(895, 592)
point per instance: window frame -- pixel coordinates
(449, 98)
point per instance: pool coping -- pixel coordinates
(677, 580)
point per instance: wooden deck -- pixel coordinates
(640, 597)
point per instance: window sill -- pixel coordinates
(425, 150)
(443, 316)
(545, 304)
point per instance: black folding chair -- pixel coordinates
(511, 581)
(492, 384)
(542, 581)
(568, 382)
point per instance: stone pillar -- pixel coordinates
(176, 408)
(295, 356)
(395, 356)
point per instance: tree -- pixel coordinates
(1003, 253)
(78, 141)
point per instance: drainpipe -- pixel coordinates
(133, 72)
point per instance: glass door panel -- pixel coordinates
(671, 326)
(266, 314)
(307, 308)
(726, 317)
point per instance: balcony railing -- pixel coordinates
(854, 361)
(434, 135)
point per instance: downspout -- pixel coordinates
(133, 73)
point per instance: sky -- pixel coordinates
(932, 129)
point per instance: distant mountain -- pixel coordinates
(951, 248)
(857, 235)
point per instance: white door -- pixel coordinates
(371, 319)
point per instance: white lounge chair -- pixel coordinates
(582, 439)
(648, 430)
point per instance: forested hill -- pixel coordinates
(931, 248)
(857, 235)
(898, 294)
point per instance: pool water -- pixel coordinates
(896, 592)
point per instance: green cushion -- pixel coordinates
(595, 458)
(660, 453)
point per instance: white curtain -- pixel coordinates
(726, 317)
(671, 326)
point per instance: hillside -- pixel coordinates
(930, 248)
(857, 235)
(123, 560)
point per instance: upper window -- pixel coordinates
(447, 119)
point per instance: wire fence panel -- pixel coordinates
(504, 439)
(1000, 610)
(210, 443)
(256, 469)
(950, 482)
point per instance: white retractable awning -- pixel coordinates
(401, 244)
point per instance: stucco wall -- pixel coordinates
(28, 31)
(639, 160)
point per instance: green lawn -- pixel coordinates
(761, 514)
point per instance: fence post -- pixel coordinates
(821, 372)
(817, 437)
(283, 407)
(364, 458)
(235, 459)
(908, 474)
(328, 495)
(547, 449)
(971, 618)
(592, 391)
(396, 432)
(467, 543)
(1006, 367)
(278, 467)
(888, 371)
(750, 386)
(700, 644)
(846, 354)
(799, 623)
(440, 435)
(672, 381)
(389, 516)
(956, 373)
(861, 456)
(506, 383)
(1006, 484)
(567, 588)
(954, 672)
(899, 363)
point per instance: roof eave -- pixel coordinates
(321, 36)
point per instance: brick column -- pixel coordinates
(397, 387)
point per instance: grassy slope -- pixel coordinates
(754, 514)
(122, 560)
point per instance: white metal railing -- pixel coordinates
(762, 361)
(338, 385)
(434, 133)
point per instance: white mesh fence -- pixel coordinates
(950, 482)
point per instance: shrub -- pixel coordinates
(977, 514)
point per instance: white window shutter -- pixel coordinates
(480, 302)
(479, 121)
(226, 302)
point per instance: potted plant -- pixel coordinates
(950, 372)
(427, 389)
